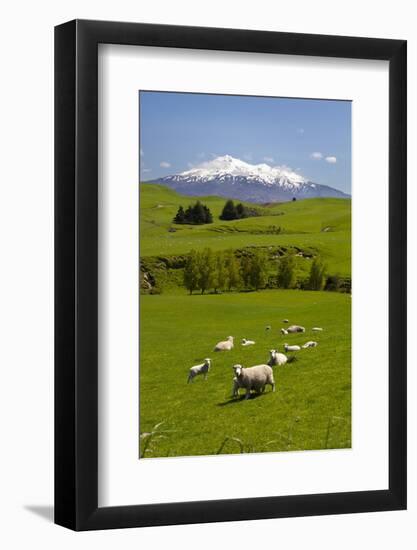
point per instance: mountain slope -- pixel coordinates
(260, 183)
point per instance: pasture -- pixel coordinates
(320, 225)
(311, 408)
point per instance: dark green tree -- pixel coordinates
(240, 211)
(180, 216)
(229, 211)
(197, 213)
(208, 216)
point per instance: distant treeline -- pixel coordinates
(199, 213)
(218, 271)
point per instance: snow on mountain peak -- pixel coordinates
(226, 167)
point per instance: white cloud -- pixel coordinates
(268, 159)
(316, 155)
(331, 160)
(146, 170)
(190, 164)
(164, 164)
(300, 131)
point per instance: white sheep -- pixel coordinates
(252, 378)
(199, 369)
(316, 329)
(296, 328)
(226, 345)
(247, 342)
(285, 321)
(276, 358)
(310, 344)
(284, 331)
(291, 348)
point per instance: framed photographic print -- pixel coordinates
(230, 338)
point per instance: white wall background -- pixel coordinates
(26, 285)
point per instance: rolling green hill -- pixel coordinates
(322, 226)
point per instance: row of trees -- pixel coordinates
(236, 212)
(195, 214)
(287, 274)
(218, 271)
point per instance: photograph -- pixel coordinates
(245, 274)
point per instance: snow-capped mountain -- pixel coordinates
(230, 177)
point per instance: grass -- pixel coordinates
(311, 408)
(321, 225)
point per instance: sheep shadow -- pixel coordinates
(236, 400)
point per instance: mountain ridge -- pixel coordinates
(228, 177)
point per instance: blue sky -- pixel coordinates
(180, 130)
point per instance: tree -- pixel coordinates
(286, 275)
(198, 214)
(192, 271)
(195, 214)
(246, 271)
(259, 269)
(233, 270)
(229, 211)
(294, 199)
(208, 216)
(207, 270)
(240, 211)
(220, 272)
(317, 271)
(180, 216)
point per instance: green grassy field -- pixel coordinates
(311, 408)
(304, 224)
(312, 393)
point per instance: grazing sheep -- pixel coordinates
(252, 378)
(285, 321)
(247, 342)
(199, 369)
(291, 348)
(284, 331)
(310, 344)
(316, 329)
(296, 328)
(276, 358)
(226, 345)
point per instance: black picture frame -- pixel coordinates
(76, 272)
